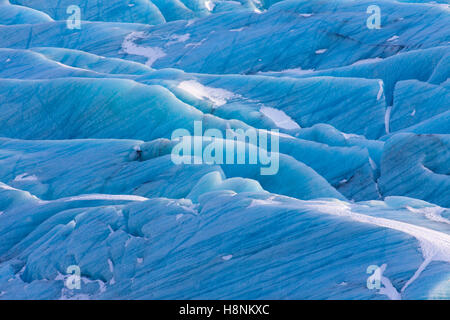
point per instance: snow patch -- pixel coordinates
(190, 22)
(281, 119)
(178, 38)
(195, 44)
(216, 95)
(237, 30)
(111, 266)
(25, 177)
(365, 61)
(431, 213)
(348, 136)
(151, 53)
(393, 38)
(295, 71)
(209, 5)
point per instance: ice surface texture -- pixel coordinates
(87, 179)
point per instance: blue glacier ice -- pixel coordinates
(88, 176)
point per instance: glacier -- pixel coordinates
(87, 177)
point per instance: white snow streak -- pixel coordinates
(209, 5)
(435, 245)
(106, 197)
(294, 71)
(381, 89)
(216, 95)
(365, 61)
(262, 202)
(151, 53)
(25, 177)
(393, 38)
(387, 118)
